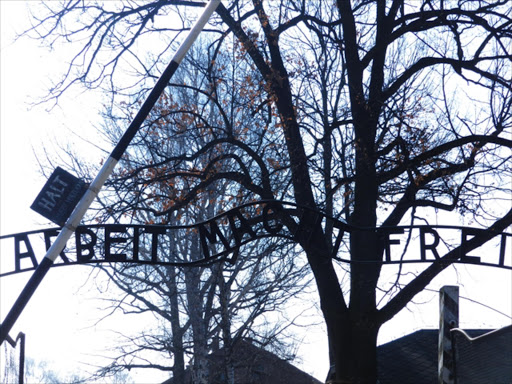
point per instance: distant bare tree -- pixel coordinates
(200, 309)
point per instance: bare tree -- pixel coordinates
(381, 112)
(38, 372)
(200, 309)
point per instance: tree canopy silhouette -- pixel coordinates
(378, 112)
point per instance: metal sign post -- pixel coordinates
(448, 320)
(109, 165)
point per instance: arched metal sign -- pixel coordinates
(222, 236)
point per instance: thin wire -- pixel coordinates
(476, 302)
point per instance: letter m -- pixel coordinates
(211, 236)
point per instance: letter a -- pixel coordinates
(19, 255)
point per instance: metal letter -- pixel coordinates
(29, 253)
(432, 247)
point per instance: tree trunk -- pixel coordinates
(355, 350)
(225, 323)
(200, 370)
(352, 331)
(177, 331)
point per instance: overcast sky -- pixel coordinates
(59, 320)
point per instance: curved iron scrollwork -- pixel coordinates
(222, 236)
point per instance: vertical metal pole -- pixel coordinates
(21, 370)
(448, 319)
(21, 375)
(109, 165)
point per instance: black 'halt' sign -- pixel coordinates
(59, 196)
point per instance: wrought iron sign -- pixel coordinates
(221, 237)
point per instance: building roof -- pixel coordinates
(413, 358)
(256, 365)
(252, 365)
(483, 359)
